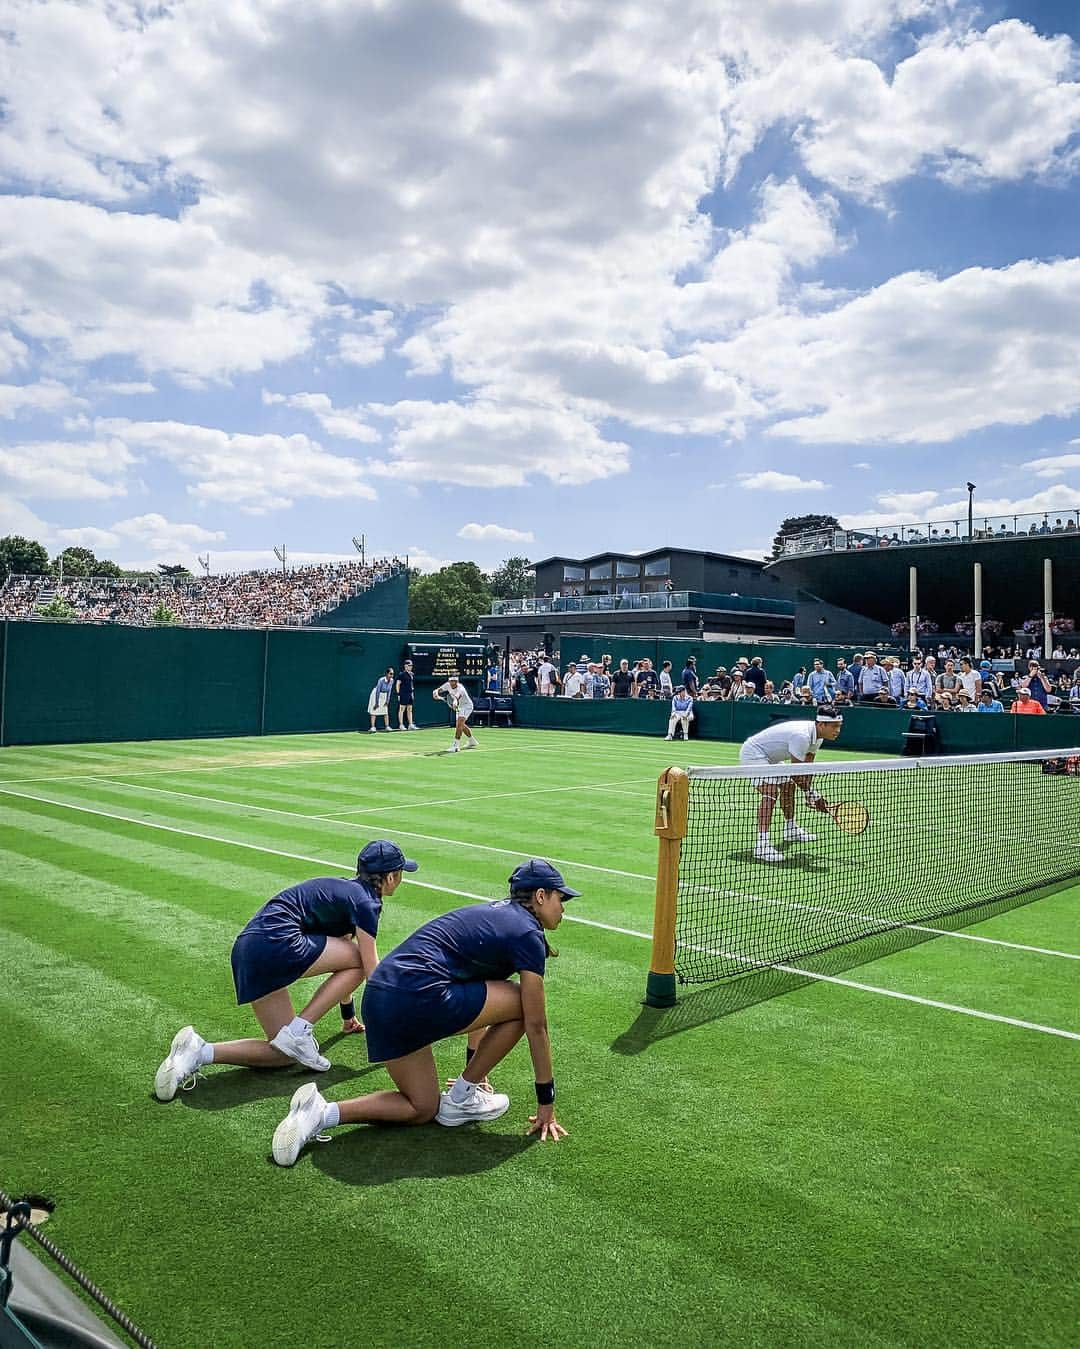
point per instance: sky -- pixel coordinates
(481, 278)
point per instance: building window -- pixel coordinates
(600, 571)
(573, 573)
(659, 566)
(627, 568)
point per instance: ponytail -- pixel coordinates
(525, 899)
(373, 882)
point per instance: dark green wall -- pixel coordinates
(385, 605)
(71, 682)
(873, 729)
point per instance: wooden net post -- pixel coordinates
(672, 808)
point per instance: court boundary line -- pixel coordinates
(586, 922)
(485, 796)
(563, 861)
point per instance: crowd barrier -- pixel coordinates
(873, 729)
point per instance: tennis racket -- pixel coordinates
(850, 816)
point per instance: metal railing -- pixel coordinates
(985, 529)
(664, 599)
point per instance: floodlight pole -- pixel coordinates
(971, 510)
(280, 554)
(358, 544)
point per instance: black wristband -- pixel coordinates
(348, 1010)
(545, 1093)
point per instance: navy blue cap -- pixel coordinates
(381, 856)
(536, 874)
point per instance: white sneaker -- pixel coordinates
(413, 728)
(479, 1108)
(454, 748)
(184, 1061)
(471, 744)
(795, 833)
(669, 737)
(371, 730)
(300, 1125)
(765, 852)
(303, 1048)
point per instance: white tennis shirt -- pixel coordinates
(458, 698)
(783, 740)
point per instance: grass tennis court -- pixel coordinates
(775, 1161)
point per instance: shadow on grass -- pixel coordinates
(225, 1087)
(653, 1024)
(370, 1155)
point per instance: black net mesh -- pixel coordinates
(942, 836)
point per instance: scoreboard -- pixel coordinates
(433, 660)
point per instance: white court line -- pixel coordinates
(586, 922)
(485, 796)
(562, 861)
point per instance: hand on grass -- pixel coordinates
(545, 1121)
(353, 1026)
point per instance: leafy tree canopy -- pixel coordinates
(513, 579)
(80, 562)
(450, 599)
(173, 569)
(22, 557)
(801, 524)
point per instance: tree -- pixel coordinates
(163, 614)
(81, 562)
(22, 557)
(450, 599)
(58, 607)
(801, 524)
(513, 579)
(173, 569)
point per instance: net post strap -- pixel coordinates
(670, 825)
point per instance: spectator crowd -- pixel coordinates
(920, 683)
(244, 599)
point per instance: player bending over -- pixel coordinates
(300, 932)
(452, 975)
(456, 696)
(797, 741)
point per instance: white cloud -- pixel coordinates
(92, 470)
(924, 506)
(484, 444)
(969, 106)
(862, 464)
(920, 359)
(422, 560)
(47, 395)
(88, 536)
(344, 423)
(371, 335)
(770, 481)
(17, 518)
(487, 533)
(165, 536)
(256, 473)
(88, 283)
(1054, 466)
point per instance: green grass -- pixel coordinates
(774, 1162)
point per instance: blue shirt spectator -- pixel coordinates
(919, 679)
(988, 703)
(822, 683)
(896, 684)
(601, 683)
(871, 678)
(845, 680)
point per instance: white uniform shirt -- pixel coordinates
(784, 740)
(547, 674)
(458, 698)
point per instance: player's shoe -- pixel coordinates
(412, 727)
(669, 737)
(300, 1125)
(303, 1048)
(795, 833)
(478, 1109)
(372, 731)
(454, 748)
(765, 852)
(471, 744)
(183, 1063)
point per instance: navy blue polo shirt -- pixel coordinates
(479, 942)
(331, 906)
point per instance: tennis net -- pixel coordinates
(900, 842)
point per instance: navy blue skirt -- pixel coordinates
(262, 963)
(401, 1020)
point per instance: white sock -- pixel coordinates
(206, 1055)
(331, 1115)
(299, 1026)
(763, 836)
(462, 1091)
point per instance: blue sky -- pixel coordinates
(476, 279)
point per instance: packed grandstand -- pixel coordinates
(244, 599)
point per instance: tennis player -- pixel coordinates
(453, 976)
(456, 696)
(797, 742)
(301, 932)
